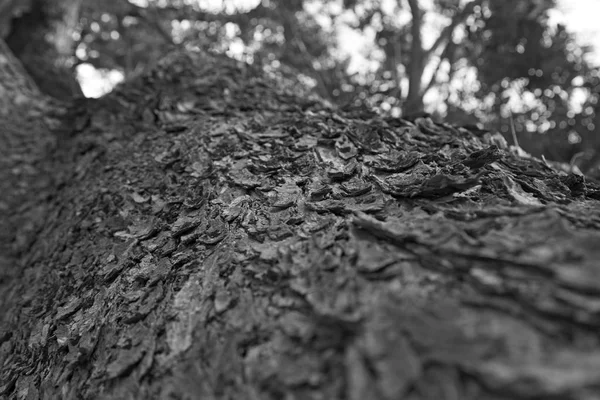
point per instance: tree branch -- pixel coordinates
(433, 77)
(445, 55)
(13, 72)
(446, 33)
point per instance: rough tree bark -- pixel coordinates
(26, 120)
(36, 80)
(211, 233)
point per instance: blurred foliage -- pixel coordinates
(533, 70)
(477, 61)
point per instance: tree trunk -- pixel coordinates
(26, 120)
(34, 83)
(211, 234)
(420, 57)
(414, 99)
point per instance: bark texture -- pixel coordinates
(213, 234)
(27, 118)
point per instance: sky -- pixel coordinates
(581, 17)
